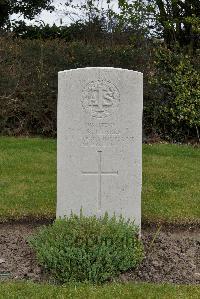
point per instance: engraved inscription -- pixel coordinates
(100, 98)
(99, 173)
(106, 140)
(102, 129)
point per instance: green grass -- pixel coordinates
(171, 183)
(20, 290)
(27, 177)
(171, 180)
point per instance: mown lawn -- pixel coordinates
(171, 183)
(27, 177)
(171, 180)
(29, 290)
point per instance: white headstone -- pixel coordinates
(99, 148)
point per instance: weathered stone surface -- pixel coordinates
(100, 142)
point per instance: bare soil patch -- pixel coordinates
(173, 257)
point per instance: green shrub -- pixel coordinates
(28, 78)
(28, 84)
(175, 111)
(82, 249)
(184, 107)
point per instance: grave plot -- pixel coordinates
(173, 257)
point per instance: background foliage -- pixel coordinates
(28, 78)
(157, 37)
(174, 113)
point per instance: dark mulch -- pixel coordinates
(173, 257)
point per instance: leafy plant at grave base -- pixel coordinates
(88, 249)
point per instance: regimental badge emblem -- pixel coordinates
(100, 98)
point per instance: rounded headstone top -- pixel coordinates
(101, 69)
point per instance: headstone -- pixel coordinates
(99, 144)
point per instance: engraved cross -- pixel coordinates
(99, 173)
